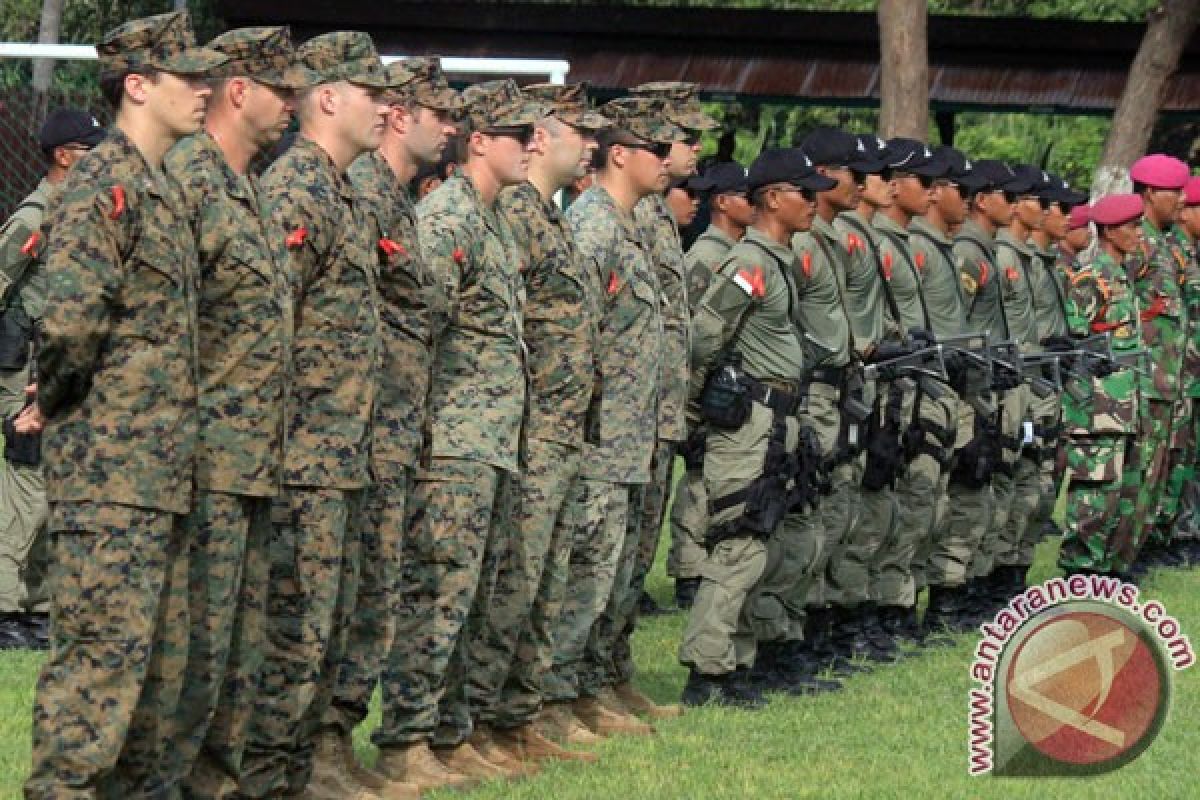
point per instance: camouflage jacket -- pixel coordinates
(658, 227)
(1101, 300)
(409, 299)
(117, 363)
(902, 270)
(623, 422)
(866, 304)
(1158, 272)
(477, 393)
(1049, 291)
(245, 323)
(1013, 268)
(934, 251)
(819, 309)
(562, 309)
(1190, 375)
(23, 251)
(702, 259)
(333, 268)
(975, 257)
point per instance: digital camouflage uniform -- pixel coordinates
(1182, 486)
(333, 267)
(22, 488)
(621, 426)
(117, 384)
(1157, 273)
(1104, 471)
(689, 509)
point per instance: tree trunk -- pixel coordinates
(48, 32)
(904, 67)
(1169, 28)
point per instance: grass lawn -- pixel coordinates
(899, 732)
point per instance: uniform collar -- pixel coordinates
(923, 225)
(782, 252)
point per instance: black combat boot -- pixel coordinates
(796, 671)
(852, 641)
(945, 611)
(877, 635)
(822, 647)
(723, 690)
(685, 592)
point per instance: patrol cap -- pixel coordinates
(961, 169)
(69, 126)
(1079, 217)
(1191, 192)
(830, 147)
(161, 42)
(429, 86)
(568, 102)
(1159, 171)
(263, 54)
(682, 104)
(643, 117)
(787, 165)
(915, 158)
(500, 104)
(1117, 209)
(396, 77)
(343, 56)
(996, 176)
(724, 177)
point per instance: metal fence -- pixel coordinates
(22, 112)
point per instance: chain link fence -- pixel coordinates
(22, 112)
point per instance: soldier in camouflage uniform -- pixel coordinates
(117, 397)
(332, 263)
(731, 213)
(1186, 529)
(244, 342)
(419, 124)
(1104, 468)
(464, 482)
(632, 161)
(65, 136)
(513, 650)
(750, 309)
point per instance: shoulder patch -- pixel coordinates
(118, 201)
(296, 238)
(886, 261)
(751, 282)
(1011, 274)
(969, 284)
(984, 271)
(920, 260)
(806, 265)
(32, 246)
(614, 284)
(390, 247)
(854, 243)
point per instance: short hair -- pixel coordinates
(112, 87)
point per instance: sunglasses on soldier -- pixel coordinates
(659, 150)
(523, 134)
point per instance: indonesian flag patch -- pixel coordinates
(751, 282)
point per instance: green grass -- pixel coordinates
(899, 732)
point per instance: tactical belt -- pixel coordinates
(831, 376)
(775, 398)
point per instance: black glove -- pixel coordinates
(886, 351)
(1004, 379)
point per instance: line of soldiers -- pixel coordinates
(303, 439)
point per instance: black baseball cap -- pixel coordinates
(1040, 183)
(1061, 192)
(1000, 177)
(915, 158)
(69, 126)
(830, 147)
(724, 177)
(872, 154)
(961, 171)
(787, 165)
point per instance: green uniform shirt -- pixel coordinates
(1049, 291)
(818, 275)
(245, 323)
(1013, 271)
(702, 260)
(117, 360)
(562, 308)
(477, 391)
(23, 250)
(623, 420)
(333, 265)
(975, 256)
(901, 272)
(940, 279)
(871, 320)
(1157, 273)
(1190, 375)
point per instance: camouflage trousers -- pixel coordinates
(447, 575)
(967, 519)
(1013, 478)
(1187, 521)
(1029, 486)
(513, 650)
(314, 561)
(719, 637)
(597, 516)
(1104, 476)
(227, 540)
(1154, 423)
(689, 526)
(916, 495)
(23, 512)
(1180, 468)
(372, 629)
(119, 639)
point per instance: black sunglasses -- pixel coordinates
(692, 139)
(522, 133)
(659, 150)
(1009, 197)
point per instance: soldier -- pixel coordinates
(332, 262)
(632, 161)
(1104, 469)
(64, 137)
(1076, 240)
(464, 480)
(1157, 277)
(117, 397)
(746, 330)
(1186, 531)
(243, 339)
(514, 648)
(730, 213)
(419, 124)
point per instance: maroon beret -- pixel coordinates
(1079, 217)
(1160, 172)
(1117, 209)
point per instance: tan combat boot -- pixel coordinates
(483, 739)
(557, 723)
(527, 745)
(329, 780)
(465, 760)
(606, 722)
(638, 703)
(417, 764)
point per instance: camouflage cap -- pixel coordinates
(683, 104)
(343, 56)
(429, 86)
(500, 104)
(643, 117)
(569, 103)
(398, 76)
(162, 42)
(264, 54)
